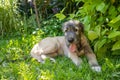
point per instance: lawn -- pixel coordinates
(17, 64)
(19, 33)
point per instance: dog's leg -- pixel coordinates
(37, 56)
(92, 59)
(41, 57)
(75, 59)
(93, 62)
(35, 53)
(43, 51)
(44, 57)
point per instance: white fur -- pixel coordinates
(96, 68)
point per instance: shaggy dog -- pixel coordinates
(72, 44)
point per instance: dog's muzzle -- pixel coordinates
(70, 40)
(71, 36)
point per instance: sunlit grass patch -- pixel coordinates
(17, 64)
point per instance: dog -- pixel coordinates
(73, 44)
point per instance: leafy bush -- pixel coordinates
(52, 27)
(101, 20)
(8, 20)
(11, 21)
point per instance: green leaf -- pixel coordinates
(101, 7)
(116, 45)
(111, 10)
(92, 35)
(103, 32)
(87, 19)
(118, 9)
(99, 44)
(115, 20)
(115, 23)
(98, 29)
(71, 16)
(114, 34)
(60, 16)
(101, 53)
(116, 52)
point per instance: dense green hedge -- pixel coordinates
(102, 24)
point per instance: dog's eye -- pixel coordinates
(65, 30)
(76, 30)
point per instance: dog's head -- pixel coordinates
(72, 30)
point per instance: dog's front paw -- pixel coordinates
(53, 60)
(96, 68)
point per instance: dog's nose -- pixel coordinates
(70, 40)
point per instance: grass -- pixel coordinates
(16, 63)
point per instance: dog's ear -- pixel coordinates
(81, 27)
(63, 26)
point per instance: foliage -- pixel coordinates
(45, 8)
(11, 21)
(52, 27)
(21, 33)
(8, 20)
(101, 20)
(104, 23)
(48, 8)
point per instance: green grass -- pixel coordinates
(16, 41)
(16, 63)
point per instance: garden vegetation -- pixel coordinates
(19, 31)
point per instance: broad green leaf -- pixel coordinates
(116, 45)
(87, 19)
(102, 52)
(87, 27)
(71, 16)
(98, 29)
(99, 44)
(114, 34)
(96, 46)
(92, 35)
(111, 10)
(101, 7)
(60, 16)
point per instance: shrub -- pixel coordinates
(8, 20)
(101, 20)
